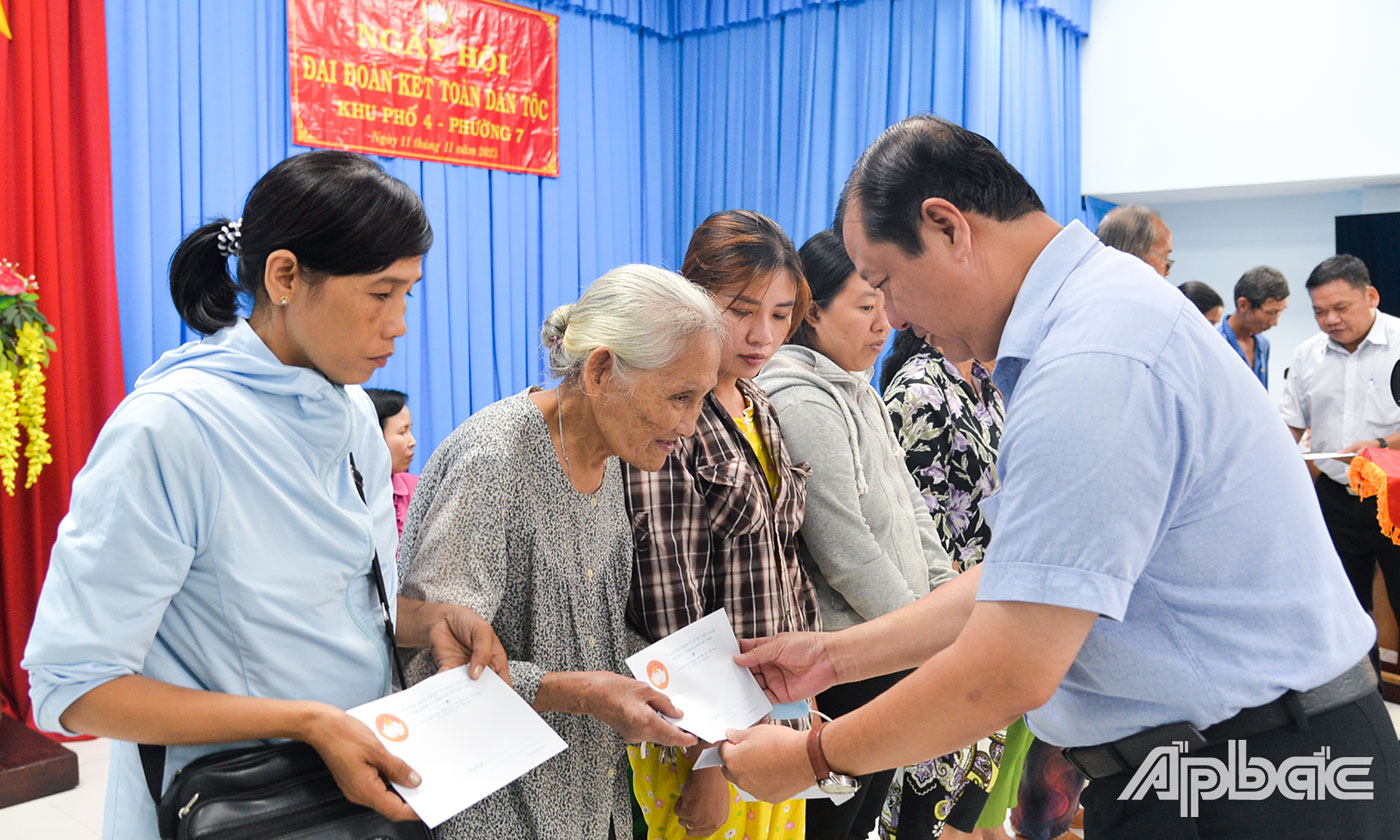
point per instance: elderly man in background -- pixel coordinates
(1261, 295)
(1137, 229)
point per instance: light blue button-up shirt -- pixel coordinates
(215, 541)
(1145, 478)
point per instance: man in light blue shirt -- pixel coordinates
(1131, 599)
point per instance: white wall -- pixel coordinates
(1250, 125)
(1216, 241)
(1203, 94)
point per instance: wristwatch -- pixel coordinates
(1380, 442)
(828, 781)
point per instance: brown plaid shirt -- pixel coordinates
(709, 534)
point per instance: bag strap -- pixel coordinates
(153, 765)
(153, 755)
(379, 584)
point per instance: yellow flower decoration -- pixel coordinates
(24, 353)
(30, 411)
(9, 431)
(29, 344)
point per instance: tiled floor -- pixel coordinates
(72, 815)
(77, 814)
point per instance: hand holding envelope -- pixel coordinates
(695, 667)
(466, 739)
(634, 709)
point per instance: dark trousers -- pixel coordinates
(854, 819)
(1359, 542)
(1360, 728)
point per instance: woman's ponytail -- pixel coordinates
(338, 213)
(204, 292)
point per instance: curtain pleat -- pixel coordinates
(762, 104)
(675, 18)
(56, 222)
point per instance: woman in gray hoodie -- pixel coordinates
(871, 545)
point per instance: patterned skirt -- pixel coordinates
(923, 796)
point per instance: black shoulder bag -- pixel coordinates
(279, 792)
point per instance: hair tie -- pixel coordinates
(229, 235)
(555, 340)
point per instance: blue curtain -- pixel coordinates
(1094, 211)
(674, 18)
(667, 111)
(200, 109)
(778, 110)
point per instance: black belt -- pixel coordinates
(1104, 760)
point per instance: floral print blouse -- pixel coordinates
(950, 431)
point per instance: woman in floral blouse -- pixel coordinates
(948, 417)
(949, 423)
(950, 427)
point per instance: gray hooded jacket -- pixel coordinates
(867, 530)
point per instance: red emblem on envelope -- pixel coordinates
(391, 727)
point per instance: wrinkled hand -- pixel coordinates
(460, 637)
(704, 803)
(1359, 445)
(360, 764)
(789, 666)
(768, 761)
(631, 708)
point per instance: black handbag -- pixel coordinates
(278, 792)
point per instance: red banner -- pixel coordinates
(1376, 472)
(473, 82)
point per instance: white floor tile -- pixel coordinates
(71, 815)
(91, 753)
(84, 803)
(40, 820)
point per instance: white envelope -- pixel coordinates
(1322, 456)
(466, 738)
(695, 668)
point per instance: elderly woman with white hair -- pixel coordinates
(521, 514)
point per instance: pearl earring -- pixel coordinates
(284, 301)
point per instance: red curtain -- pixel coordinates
(56, 222)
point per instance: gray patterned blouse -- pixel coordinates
(496, 526)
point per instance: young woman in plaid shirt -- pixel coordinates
(718, 525)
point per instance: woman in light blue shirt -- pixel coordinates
(212, 580)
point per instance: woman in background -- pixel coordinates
(717, 525)
(521, 515)
(948, 416)
(396, 423)
(872, 544)
(1206, 299)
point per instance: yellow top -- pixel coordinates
(746, 424)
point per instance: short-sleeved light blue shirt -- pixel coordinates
(1145, 478)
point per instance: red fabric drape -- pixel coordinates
(56, 222)
(1376, 472)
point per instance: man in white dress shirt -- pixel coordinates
(1339, 385)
